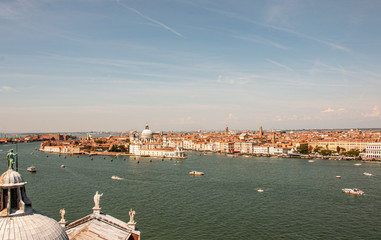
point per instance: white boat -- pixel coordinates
(62, 166)
(196, 173)
(354, 191)
(116, 178)
(260, 190)
(311, 160)
(367, 174)
(338, 176)
(31, 169)
(357, 164)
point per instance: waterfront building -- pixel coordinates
(373, 151)
(345, 144)
(261, 150)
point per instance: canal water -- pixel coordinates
(301, 199)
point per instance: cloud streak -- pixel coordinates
(150, 19)
(280, 65)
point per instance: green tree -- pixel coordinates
(303, 149)
(325, 152)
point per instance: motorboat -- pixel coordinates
(260, 190)
(62, 166)
(311, 160)
(31, 169)
(116, 178)
(357, 164)
(338, 176)
(354, 191)
(195, 173)
(367, 174)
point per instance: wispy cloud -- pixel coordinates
(233, 80)
(280, 65)
(150, 19)
(331, 110)
(7, 89)
(262, 41)
(282, 29)
(230, 117)
(328, 110)
(374, 113)
(302, 35)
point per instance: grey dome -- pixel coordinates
(31, 226)
(11, 177)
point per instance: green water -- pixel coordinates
(301, 200)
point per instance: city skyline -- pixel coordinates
(104, 65)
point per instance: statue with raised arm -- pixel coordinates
(132, 214)
(11, 158)
(97, 198)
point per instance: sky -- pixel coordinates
(115, 65)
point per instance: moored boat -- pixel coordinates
(354, 191)
(195, 173)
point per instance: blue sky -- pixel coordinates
(189, 64)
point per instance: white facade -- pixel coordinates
(373, 151)
(260, 150)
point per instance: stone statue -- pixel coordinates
(62, 211)
(132, 214)
(97, 198)
(11, 158)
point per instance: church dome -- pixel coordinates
(147, 133)
(34, 225)
(11, 177)
(18, 220)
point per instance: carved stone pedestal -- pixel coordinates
(131, 225)
(97, 210)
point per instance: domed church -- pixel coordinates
(146, 134)
(18, 220)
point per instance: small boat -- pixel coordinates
(196, 173)
(311, 160)
(31, 169)
(357, 164)
(62, 166)
(118, 155)
(338, 176)
(367, 174)
(354, 191)
(116, 178)
(260, 190)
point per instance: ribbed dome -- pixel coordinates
(146, 134)
(11, 177)
(31, 226)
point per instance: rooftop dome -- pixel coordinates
(18, 220)
(34, 225)
(146, 134)
(11, 177)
